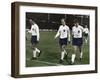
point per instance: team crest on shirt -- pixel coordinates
(64, 30)
(78, 31)
(34, 29)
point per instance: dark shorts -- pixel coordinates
(34, 40)
(63, 41)
(77, 41)
(85, 34)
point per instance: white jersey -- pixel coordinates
(63, 32)
(86, 30)
(77, 31)
(35, 31)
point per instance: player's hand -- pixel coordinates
(29, 31)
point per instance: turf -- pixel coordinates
(51, 51)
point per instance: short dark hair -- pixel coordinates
(30, 20)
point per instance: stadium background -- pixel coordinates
(52, 21)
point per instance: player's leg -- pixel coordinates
(62, 53)
(74, 55)
(64, 46)
(34, 51)
(65, 51)
(81, 53)
(63, 43)
(75, 44)
(80, 48)
(38, 51)
(86, 38)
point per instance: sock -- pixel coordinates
(37, 50)
(65, 52)
(81, 54)
(73, 58)
(34, 53)
(62, 55)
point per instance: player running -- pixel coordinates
(34, 38)
(64, 36)
(86, 33)
(77, 41)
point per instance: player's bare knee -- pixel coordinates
(63, 47)
(80, 48)
(33, 47)
(75, 48)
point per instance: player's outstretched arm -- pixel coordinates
(56, 35)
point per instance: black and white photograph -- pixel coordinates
(59, 39)
(51, 39)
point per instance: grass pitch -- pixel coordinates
(51, 51)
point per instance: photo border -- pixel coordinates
(15, 32)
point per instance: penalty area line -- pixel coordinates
(45, 62)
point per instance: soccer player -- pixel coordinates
(77, 41)
(86, 33)
(64, 36)
(34, 38)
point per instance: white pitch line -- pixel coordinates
(46, 62)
